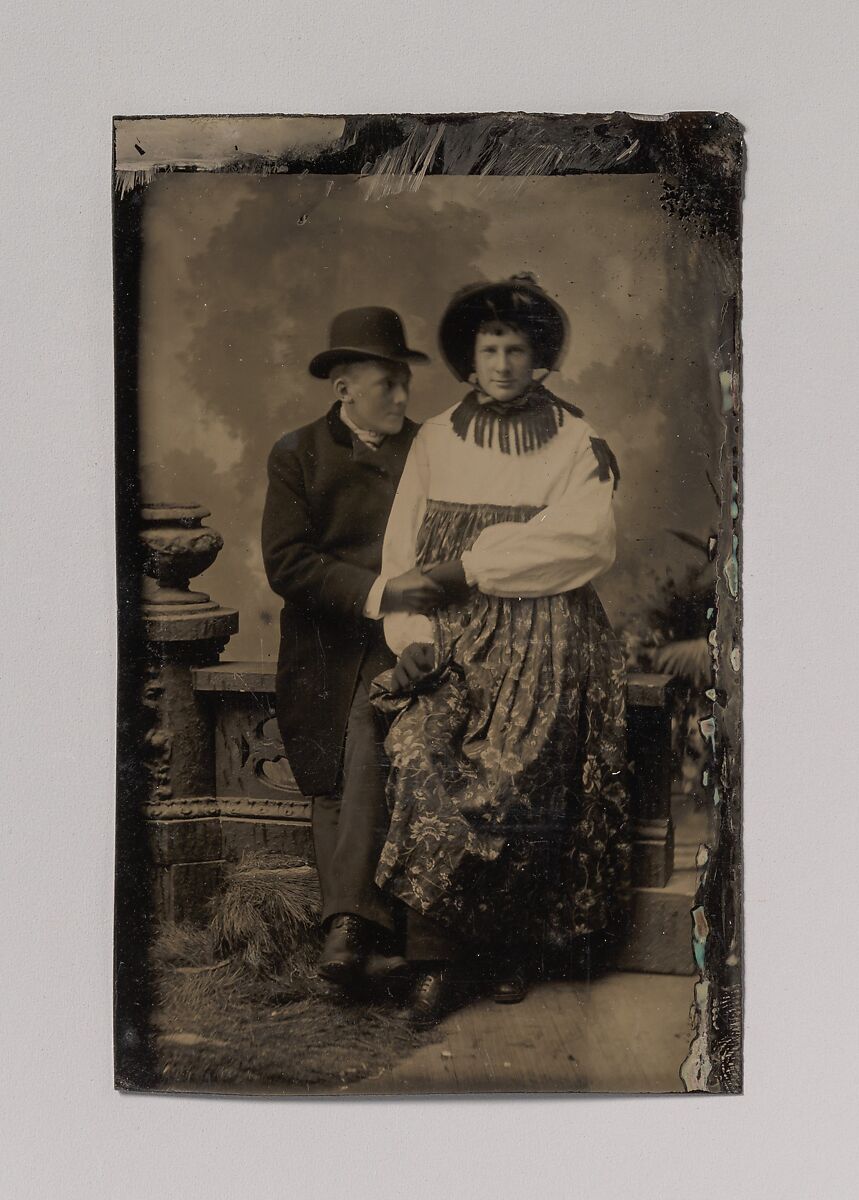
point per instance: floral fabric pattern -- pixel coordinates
(507, 790)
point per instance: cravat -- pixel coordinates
(373, 440)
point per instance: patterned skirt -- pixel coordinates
(507, 789)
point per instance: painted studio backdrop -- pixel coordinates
(242, 274)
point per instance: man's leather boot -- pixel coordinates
(345, 950)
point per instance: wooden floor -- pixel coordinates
(622, 1033)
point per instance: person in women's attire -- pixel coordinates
(508, 836)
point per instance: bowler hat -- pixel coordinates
(364, 333)
(517, 301)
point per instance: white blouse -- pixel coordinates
(566, 545)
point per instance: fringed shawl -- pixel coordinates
(524, 424)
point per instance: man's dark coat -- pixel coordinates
(328, 502)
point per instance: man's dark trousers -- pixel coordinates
(349, 830)
(349, 827)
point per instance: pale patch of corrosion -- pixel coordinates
(697, 1066)
(516, 145)
(146, 146)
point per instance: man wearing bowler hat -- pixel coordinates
(331, 487)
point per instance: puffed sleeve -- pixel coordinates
(399, 548)
(565, 546)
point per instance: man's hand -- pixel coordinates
(414, 664)
(413, 591)
(450, 577)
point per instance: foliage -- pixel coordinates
(266, 916)
(672, 638)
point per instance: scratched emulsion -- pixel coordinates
(697, 162)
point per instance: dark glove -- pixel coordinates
(414, 664)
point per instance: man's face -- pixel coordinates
(375, 394)
(503, 361)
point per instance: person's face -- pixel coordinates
(375, 394)
(503, 362)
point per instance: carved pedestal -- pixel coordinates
(183, 630)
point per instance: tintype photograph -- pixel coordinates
(429, 542)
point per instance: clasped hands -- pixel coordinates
(425, 589)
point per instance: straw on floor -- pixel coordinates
(239, 1002)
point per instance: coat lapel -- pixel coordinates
(395, 450)
(391, 456)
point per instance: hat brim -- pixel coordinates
(322, 365)
(545, 321)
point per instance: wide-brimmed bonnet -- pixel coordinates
(518, 301)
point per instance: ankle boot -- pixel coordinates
(510, 984)
(345, 950)
(438, 991)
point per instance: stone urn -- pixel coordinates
(178, 548)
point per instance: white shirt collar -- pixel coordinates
(367, 436)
